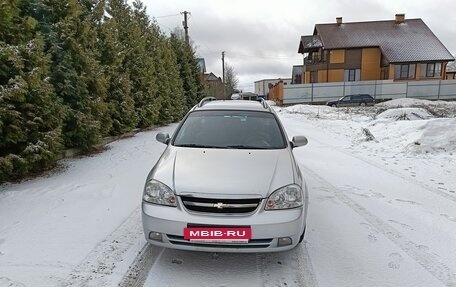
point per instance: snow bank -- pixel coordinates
(437, 136)
(408, 126)
(405, 102)
(405, 114)
(312, 110)
(437, 108)
(324, 112)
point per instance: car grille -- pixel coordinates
(217, 205)
(253, 243)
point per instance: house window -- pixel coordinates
(314, 76)
(352, 75)
(404, 71)
(433, 70)
(430, 70)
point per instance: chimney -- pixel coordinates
(339, 21)
(400, 18)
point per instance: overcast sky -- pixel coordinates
(261, 38)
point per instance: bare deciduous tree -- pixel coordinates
(231, 81)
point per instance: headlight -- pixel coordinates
(159, 193)
(289, 196)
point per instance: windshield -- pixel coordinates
(230, 129)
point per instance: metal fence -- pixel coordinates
(380, 90)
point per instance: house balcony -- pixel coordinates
(313, 64)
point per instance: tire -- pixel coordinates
(362, 104)
(301, 239)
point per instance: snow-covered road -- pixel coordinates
(380, 214)
(370, 224)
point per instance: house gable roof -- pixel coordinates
(211, 77)
(409, 41)
(309, 43)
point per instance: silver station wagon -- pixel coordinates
(227, 182)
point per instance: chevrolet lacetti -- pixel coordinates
(226, 182)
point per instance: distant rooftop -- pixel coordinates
(405, 40)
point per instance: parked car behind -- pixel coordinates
(352, 100)
(226, 182)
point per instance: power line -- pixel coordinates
(166, 16)
(236, 54)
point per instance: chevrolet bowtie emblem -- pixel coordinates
(219, 205)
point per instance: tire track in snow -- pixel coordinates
(428, 261)
(102, 261)
(290, 268)
(139, 269)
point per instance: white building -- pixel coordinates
(262, 86)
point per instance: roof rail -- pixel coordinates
(204, 100)
(264, 103)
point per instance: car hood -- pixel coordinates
(216, 172)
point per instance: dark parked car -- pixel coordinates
(352, 100)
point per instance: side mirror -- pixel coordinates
(162, 137)
(298, 141)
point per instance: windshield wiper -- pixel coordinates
(245, 147)
(197, 146)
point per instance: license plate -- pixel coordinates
(218, 234)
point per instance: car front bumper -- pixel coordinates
(267, 227)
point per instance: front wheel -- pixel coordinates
(362, 104)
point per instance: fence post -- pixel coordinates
(438, 93)
(312, 93)
(375, 90)
(406, 89)
(343, 93)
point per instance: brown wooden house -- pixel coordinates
(400, 49)
(213, 86)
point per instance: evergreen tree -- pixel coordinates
(119, 85)
(77, 76)
(74, 71)
(30, 112)
(170, 87)
(147, 102)
(188, 68)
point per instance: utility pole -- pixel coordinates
(186, 27)
(223, 74)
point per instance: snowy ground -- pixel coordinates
(382, 210)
